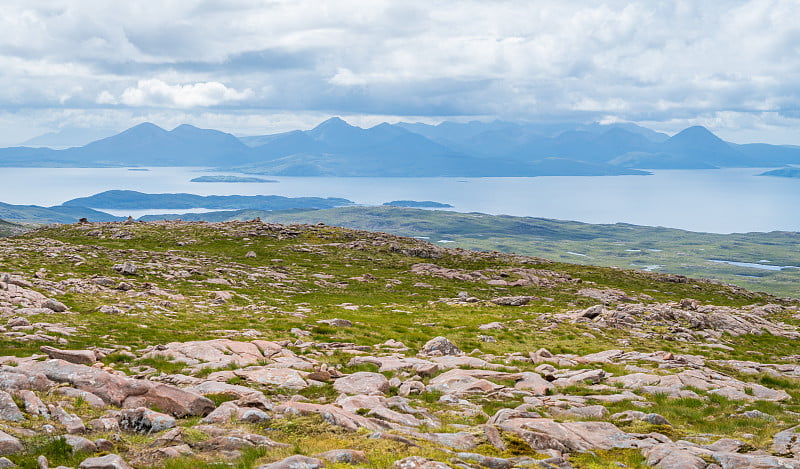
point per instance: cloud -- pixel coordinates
(631, 60)
(156, 93)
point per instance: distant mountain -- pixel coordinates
(46, 215)
(336, 148)
(68, 137)
(143, 145)
(473, 149)
(133, 200)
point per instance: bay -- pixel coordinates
(718, 201)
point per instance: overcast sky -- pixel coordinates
(255, 67)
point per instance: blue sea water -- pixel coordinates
(720, 201)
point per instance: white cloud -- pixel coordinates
(156, 93)
(632, 60)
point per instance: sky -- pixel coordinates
(254, 67)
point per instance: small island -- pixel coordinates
(417, 204)
(138, 169)
(231, 179)
(783, 173)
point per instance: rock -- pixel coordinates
(82, 357)
(439, 346)
(459, 440)
(670, 456)
(343, 456)
(295, 462)
(492, 326)
(144, 420)
(8, 408)
(588, 412)
(460, 381)
(72, 422)
(787, 442)
(513, 300)
(9, 444)
(89, 398)
(54, 305)
(336, 322)
(631, 415)
(126, 268)
(109, 461)
(333, 415)
(224, 413)
(486, 461)
(80, 444)
(250, 254)
(754, 461)
(418, 462)
(542, 434)
(33, 405)
(6, 463)
(362, 382)
(121, 391)
(283, 377)
(532, 382)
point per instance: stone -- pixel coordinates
(588, 412)
(109, 461)
(6, 463)
(8, 408)
(33, 405)
(362, 382)
(336, 322)
(439, 346)
(787, 442)
(295, 462)
(126, 268)
(343, 456)
(460, 381)
(144, 420)
(80, 444)
(9, 444)
(670, 456)
(283, 377)
(754, 461)
(54, 305)
(418, 462)
(492, 326)
(89, 398)
(513, 300)
(533, 382)
(71, 422)
(82, 357)
(122, 391)
(542, 433)
(486, 461)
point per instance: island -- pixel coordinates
(417, 204)
(783, 173)
(231, 179)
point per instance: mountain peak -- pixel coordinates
(695, 132)
(333, 123)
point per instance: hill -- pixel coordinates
(252, 342)
(10, 229)
(621, 245)
(133, 200)
(783, 173)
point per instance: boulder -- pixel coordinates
(362, 382)
(82, 357)
(109, 461)
(439, 346)
(513, 300)
(418, 462)
(9, 444)
(8, 408)
(787, 442)
(343, 456)
(295, 462)
(670, 456)
(144, 420)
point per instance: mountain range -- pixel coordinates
(473, 149)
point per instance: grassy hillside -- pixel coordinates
(619, 245)
(125, 290)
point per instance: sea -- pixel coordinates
(715, 201)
